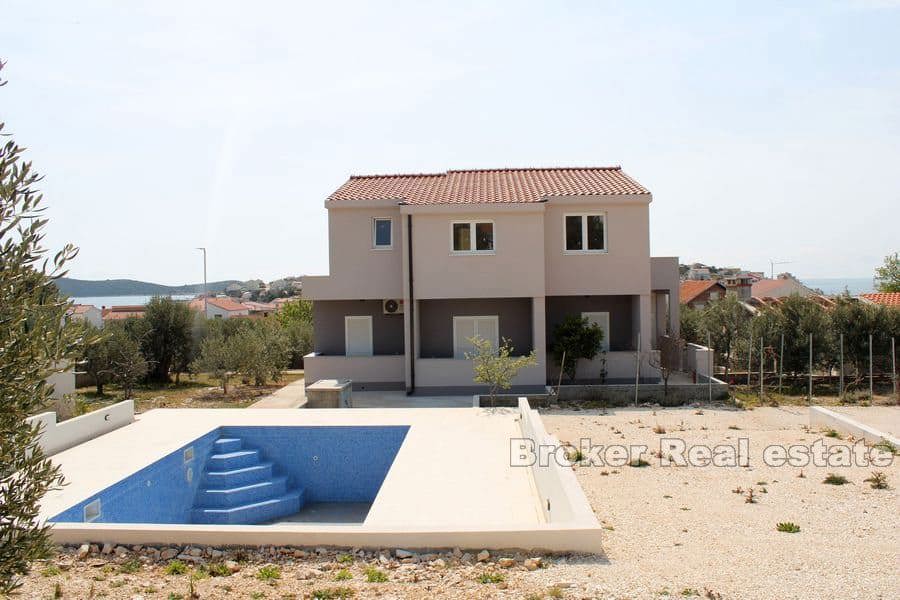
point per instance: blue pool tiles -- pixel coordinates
(310, 464)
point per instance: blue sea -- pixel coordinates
(107, 301)
(837, 285)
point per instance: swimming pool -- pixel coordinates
(363, 478)
(247, 475)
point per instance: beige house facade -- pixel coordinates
(420, 264)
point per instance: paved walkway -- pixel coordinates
(293, 395)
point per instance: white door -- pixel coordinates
(466, 328)
(358, 336)
(601, 319)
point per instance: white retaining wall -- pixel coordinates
(822, 418)
(562, 499)
(697, 359)
(56, 437)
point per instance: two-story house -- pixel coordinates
(420, 264)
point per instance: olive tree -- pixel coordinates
(35, 342)
(888, 275)
(726, 323)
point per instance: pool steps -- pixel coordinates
(239, 489)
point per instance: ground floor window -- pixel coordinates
(601, 319)
(466, 328)
(358, 335)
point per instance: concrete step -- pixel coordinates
(223, 445)
(232, 460)
(245, 494)
(233, 478)
(250, 514)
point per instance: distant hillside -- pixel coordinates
(130, 287)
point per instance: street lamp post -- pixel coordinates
(205, 290)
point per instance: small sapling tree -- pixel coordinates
(496, 367)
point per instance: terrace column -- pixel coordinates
(647, 327)
(408, 308)
(539, 332)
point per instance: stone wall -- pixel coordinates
(654, 393)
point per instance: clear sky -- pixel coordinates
(763, 129)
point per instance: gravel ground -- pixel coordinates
(670, 531)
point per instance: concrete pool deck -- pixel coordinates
(451, 483)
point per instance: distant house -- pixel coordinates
(741, 284)
(118, 313)
(781, 287)
(261, 309)
(280, 302)
(699, 272)
(699, 293)
(85, 312)
(220, 307)
(757, 302)
(883, 298)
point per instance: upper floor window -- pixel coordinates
(382, 234)
(472, 237)
(585, 232)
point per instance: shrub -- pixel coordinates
(574, 455)
(832, 479)
(832, 433)
(638, 462)
(218, 569)
(490, 578)
(345, 559)
(176, 567)
(787, 527)
(268, 573)
(886, 445)
(373, 575)
(878, 480)
(573, 339)
(50, 571)
(335, 593)
(343, 575)
(130, 566)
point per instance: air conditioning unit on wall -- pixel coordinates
(392, 307)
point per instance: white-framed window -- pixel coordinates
(472, 237)
(358, 335)
(382, 233)
(466, 328)
(584, 233)
(601, 319)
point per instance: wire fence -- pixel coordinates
(760, 366)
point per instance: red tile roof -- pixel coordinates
(692, 288)
(779, 288)
(80, 309)
(488, 186)
(224, 303)
(886, 298)
(261, 306)
(123, 312)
